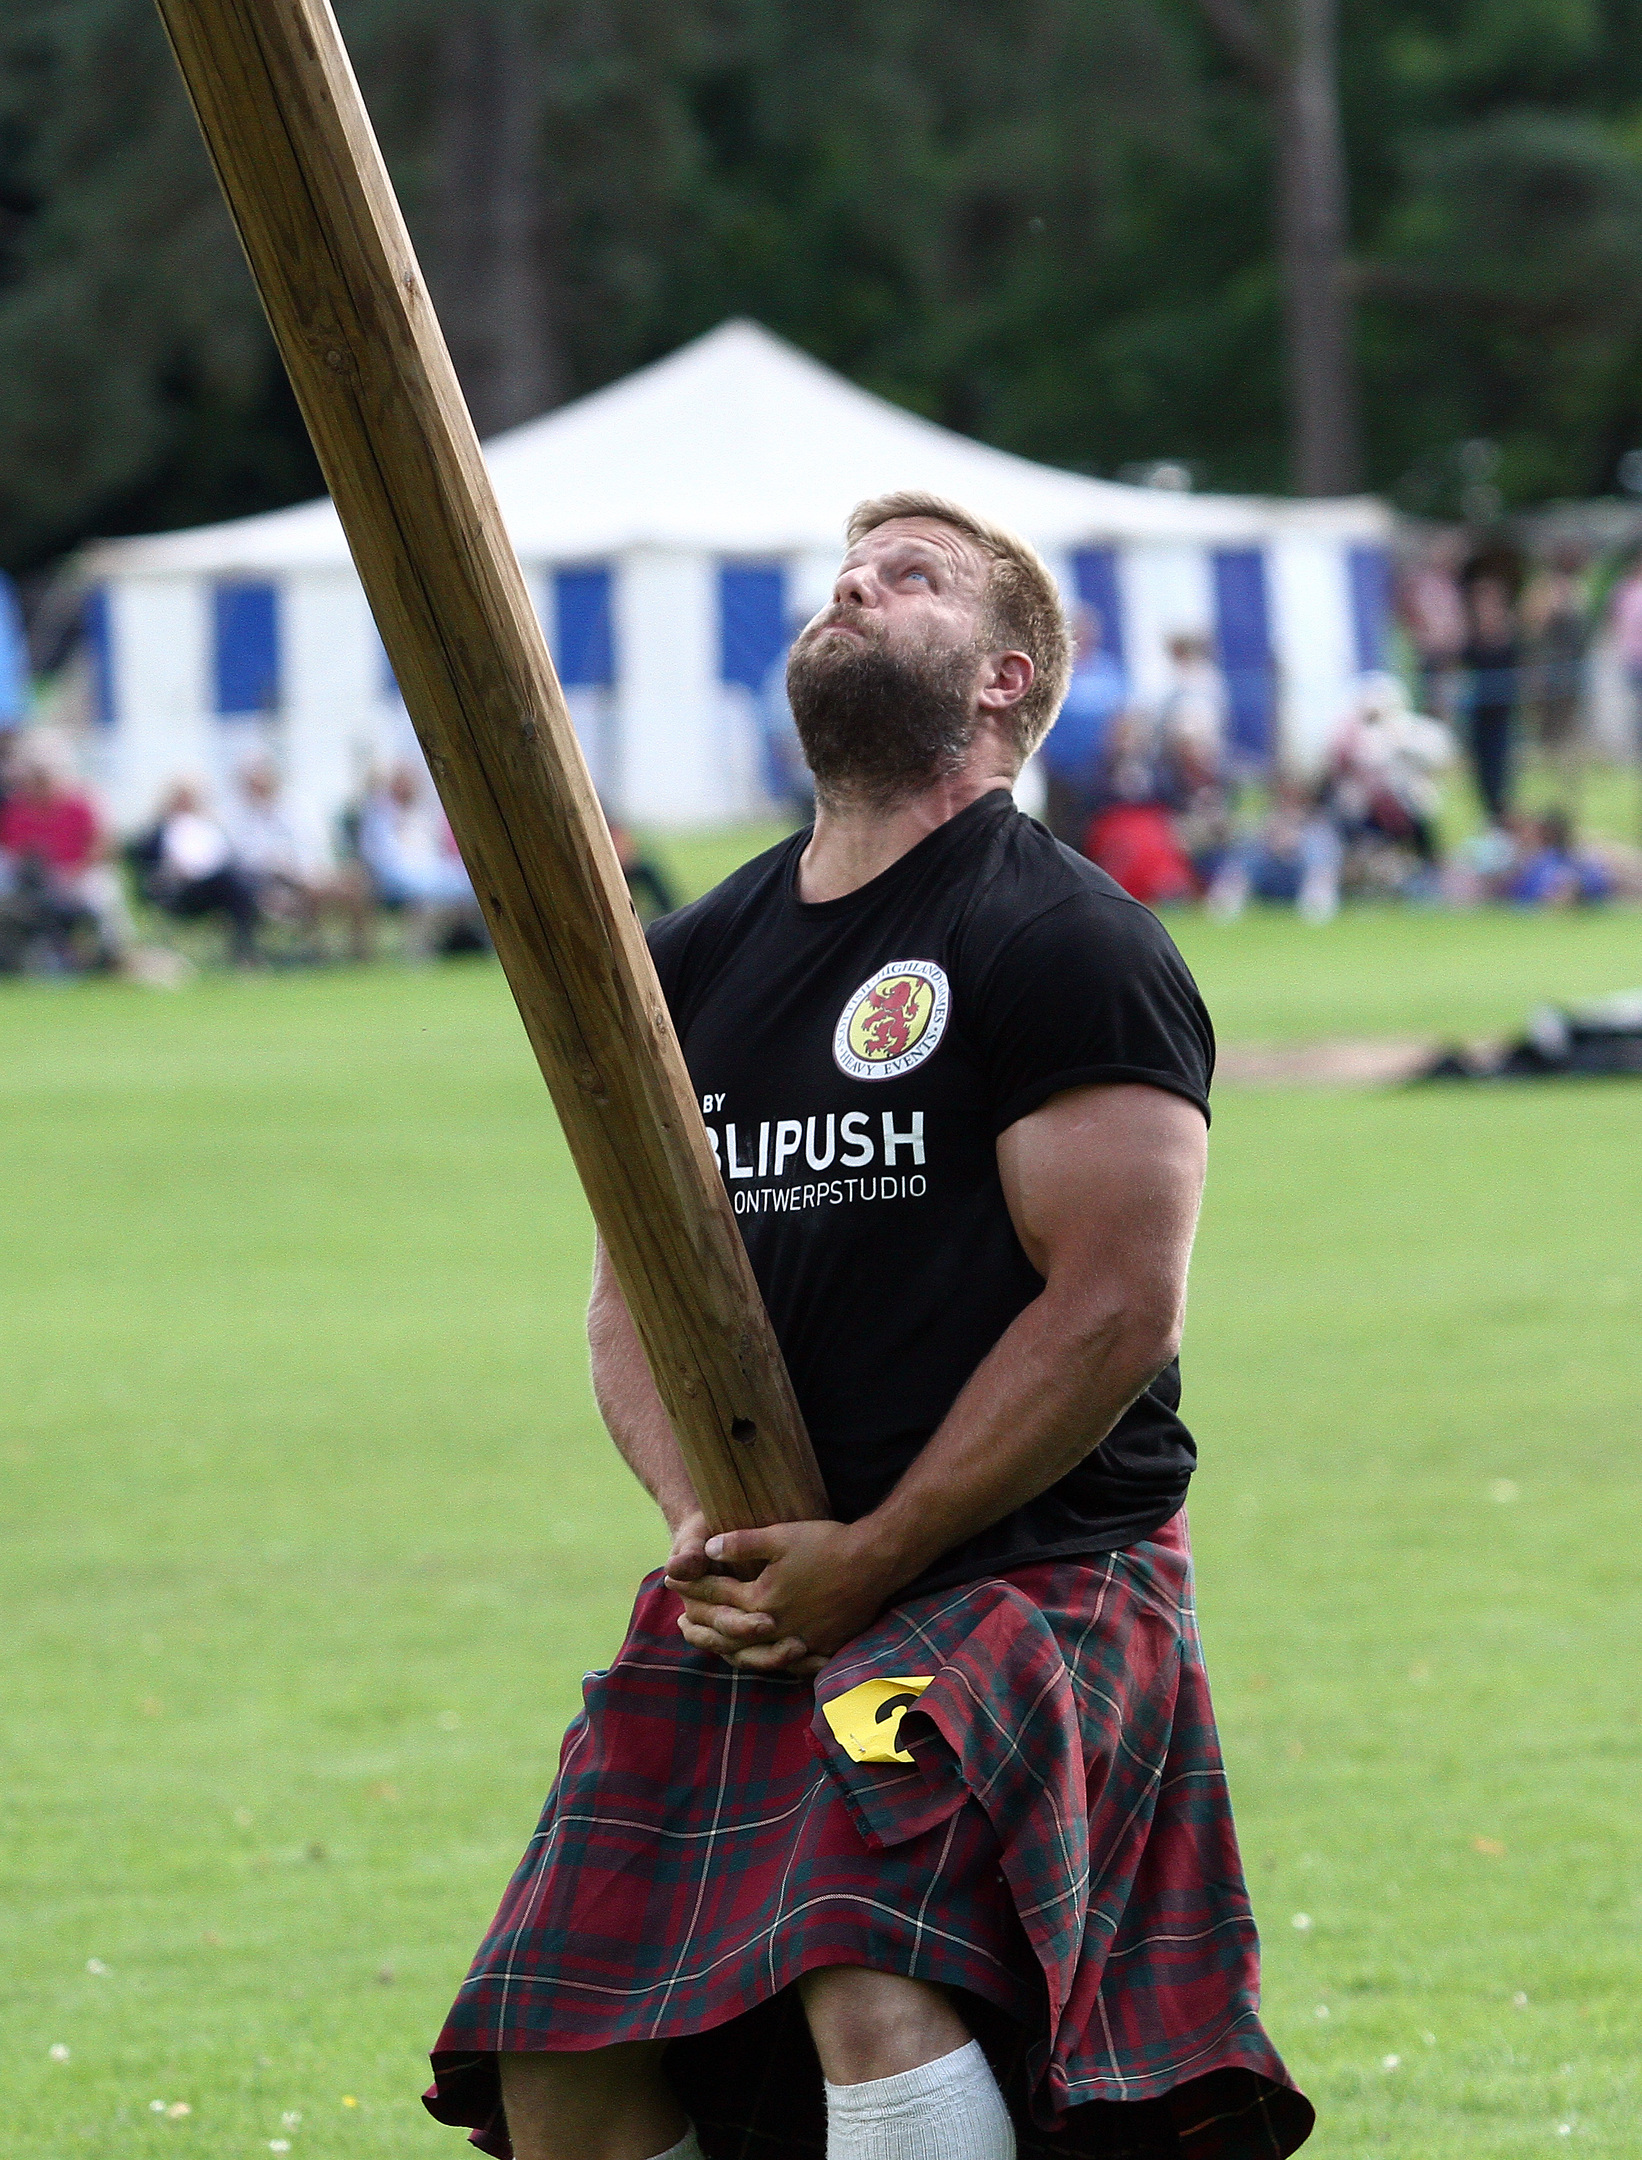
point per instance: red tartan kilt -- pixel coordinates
(707, 1843)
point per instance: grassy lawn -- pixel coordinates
(311, 1533)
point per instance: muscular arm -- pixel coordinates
(1103, 1186)
(634, 1416)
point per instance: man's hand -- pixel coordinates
(813, 1593)
(688, 1562)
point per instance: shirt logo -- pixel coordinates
(893, 1022)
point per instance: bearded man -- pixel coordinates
(929, 1791)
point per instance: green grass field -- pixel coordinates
(311, 1531)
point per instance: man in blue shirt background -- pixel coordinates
(1098, 693)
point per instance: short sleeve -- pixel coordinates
(667, 938)
(1089, 991)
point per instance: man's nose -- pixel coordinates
(854, 588)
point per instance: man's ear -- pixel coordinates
(1005, 680)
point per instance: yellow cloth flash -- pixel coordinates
(866, 1720)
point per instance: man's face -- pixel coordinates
(882, 682)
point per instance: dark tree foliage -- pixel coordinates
(1047, 222)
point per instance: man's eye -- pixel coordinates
(924, 574)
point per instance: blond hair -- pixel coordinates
(1024, 600)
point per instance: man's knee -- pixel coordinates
(875, 2025)
(602, 2104)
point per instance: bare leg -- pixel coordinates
(876, 2025)
(610, 2104)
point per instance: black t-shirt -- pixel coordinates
(855, 1060)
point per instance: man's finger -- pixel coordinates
(782, 1657)
(688, 1558)
(747, 1550)
(750, 1657)
(716, 1590)
(706, 1638)
(739, 1626)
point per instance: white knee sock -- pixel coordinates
(687, 2148)
(950, 2109)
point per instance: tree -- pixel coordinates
(492, 277)
(1294, 65)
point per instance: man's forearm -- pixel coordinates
(627, 1399)
(1050, 1390)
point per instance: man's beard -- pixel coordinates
(878, 726)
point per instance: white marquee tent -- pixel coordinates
(674, 526)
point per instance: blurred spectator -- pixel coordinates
(1071, 754)
(1132, 835)
(1434, 615)
(1625, 623)
(1556, 629)
(185, 864)
(1492, 658)
(288, 884)
(1201, 812)
(1555, 872)
(1383, 770)
(647, 881)
(1192, 716)
(14, 660)
(415, 867)
(55, 874)
(1293, 860)
(786, 776)
(1484, 863)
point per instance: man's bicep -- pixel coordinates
(1106, 1181)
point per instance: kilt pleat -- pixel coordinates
(1060, 1849)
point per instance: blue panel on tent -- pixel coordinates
(584, 650)
(247, 627)
(97, 626)
(1096, 572)
(752, 621)
(1370, 569)
(1243, 636)
(14, 656)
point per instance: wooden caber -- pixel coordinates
(298, 162)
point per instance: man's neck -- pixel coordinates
(855, 842)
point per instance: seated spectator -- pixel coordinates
(1554, 872)
(414, 865)
(289, 885)
(186, 864)
(55, 872)
(1292, 860)
(1194, 708)
(1384, 768)
(647, 881)
(1132, 834)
